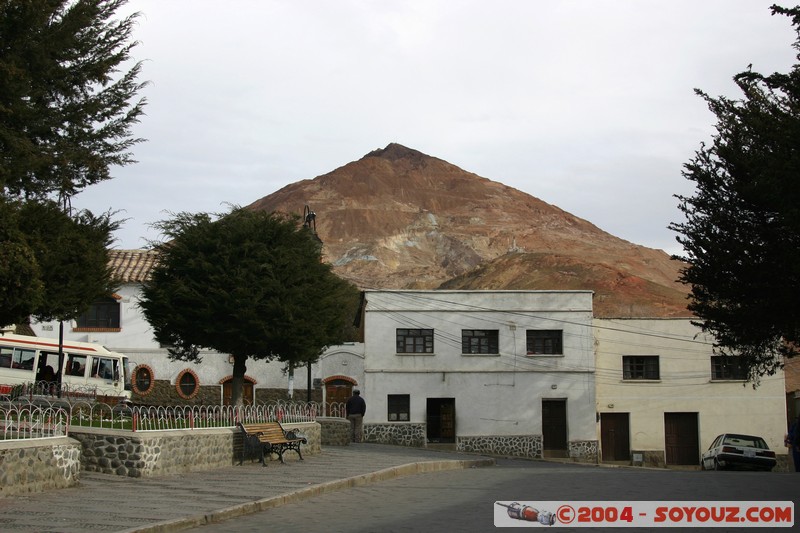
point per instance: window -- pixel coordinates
(731, 367)
(17, 358)
(399, 407)
(479, 341)
(76, 365)
(105, 368)
(143, 380)
(544, 341)
(414, 341)
(187, 384)
(640, 367)
(102, 314)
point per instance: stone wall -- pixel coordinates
(401, 434)
(529, 446)
(155, 453)
(164, 393)
(38, 464)
(335, 431)
(584, 451)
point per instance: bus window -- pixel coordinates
(104, 368)
(5, 357)
(48, 367)
(76, 365)
(23, 359)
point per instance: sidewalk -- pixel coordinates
(148, 505)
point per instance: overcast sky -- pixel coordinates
(585, 104)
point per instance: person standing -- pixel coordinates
(356, 408)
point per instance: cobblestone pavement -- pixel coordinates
(172, 503)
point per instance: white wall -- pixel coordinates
(495, 394)
(685, 385)
(135, 339)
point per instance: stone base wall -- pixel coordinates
(335, 431)
(584, 451)
(34, 466)
(156, 453)
(164, 393)
(509, 445)
(401, 434)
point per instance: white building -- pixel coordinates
(663, 396)
(117, 323)
(494, 371)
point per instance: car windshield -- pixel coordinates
(745, 440)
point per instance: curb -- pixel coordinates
(242, 509)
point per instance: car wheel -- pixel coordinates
(717, 466)
(702, 465)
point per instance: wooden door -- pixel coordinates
(615, 436)
(554, 427)
(247, 392)
(337, 392)
(441, 420)
(681, 440)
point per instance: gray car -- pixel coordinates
(733, 450)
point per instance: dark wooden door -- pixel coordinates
(615, 436)
(554, 427)
(681, 440)
(247, 392)
(441, 420)
(337, 392)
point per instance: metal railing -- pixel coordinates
(66, 391)
(85, 413)
(30, 421)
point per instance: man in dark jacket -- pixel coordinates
(356, 408)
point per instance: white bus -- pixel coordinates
(86, 370)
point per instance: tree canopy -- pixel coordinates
(66, 105)
(68, 101)
(741, 236)
(247, 283)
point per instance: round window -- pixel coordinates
(187, 384)
(143, 380)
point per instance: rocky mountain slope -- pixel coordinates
(397, 218)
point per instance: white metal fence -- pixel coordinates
(42, 417)
(30, 421)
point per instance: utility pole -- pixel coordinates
(310, 222)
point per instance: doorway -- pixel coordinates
(681, 440)
(247, 391)
(337, 392)
(554, 428)
(441, 420)
(615, 436)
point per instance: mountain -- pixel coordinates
(397, 218)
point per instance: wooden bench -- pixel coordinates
(259, 440)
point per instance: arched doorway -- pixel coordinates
(338, 390)
(247, 390)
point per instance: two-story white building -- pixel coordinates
(663, 396)
(508, 372)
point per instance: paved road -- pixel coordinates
(463, 500)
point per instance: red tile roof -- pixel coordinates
(132, 266)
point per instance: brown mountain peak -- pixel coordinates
(398, 218)
(395, 151)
